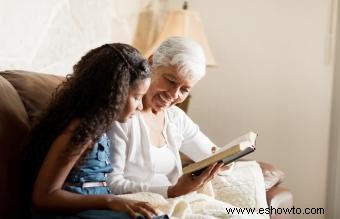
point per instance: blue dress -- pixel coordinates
(92, 167)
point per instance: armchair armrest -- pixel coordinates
(277, 196)
(272, 175)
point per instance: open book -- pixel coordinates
(232, 151)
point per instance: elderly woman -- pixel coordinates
(146, 149)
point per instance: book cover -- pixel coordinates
(232, 151)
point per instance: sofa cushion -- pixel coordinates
(34, 89)
(14, 129)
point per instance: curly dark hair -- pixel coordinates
(95, 95)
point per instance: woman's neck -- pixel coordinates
(150, 110)
(147, 108)
(155, 124)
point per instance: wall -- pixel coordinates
(51, 35)
(333, 198)
(274, 76)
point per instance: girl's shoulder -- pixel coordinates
(72, 126)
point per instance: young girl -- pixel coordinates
(69, 149)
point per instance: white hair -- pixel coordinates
(183, 53)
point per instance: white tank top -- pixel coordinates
(163, 162)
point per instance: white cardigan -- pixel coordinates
(130, 151)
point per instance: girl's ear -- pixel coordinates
(150, 60)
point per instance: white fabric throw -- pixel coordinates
(243, 187)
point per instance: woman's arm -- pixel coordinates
(189, 183)
(48, 194)
(196, 146)
(122, 139)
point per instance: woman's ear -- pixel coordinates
(150, 60)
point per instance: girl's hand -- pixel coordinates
(133, 208)
(188, 183)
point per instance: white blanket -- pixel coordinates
(243, 187)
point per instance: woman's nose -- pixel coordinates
(174, 93)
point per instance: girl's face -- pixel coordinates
(134, 101)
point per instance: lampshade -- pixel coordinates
(184, 23)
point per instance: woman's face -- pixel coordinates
(168, 87)
(134, 101)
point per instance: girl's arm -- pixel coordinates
(48, 194)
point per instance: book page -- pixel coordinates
(245, 140)
(234, 150)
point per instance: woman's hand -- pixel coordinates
(225, 167)
(188, 183)
(133, 208)
(228, 167)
